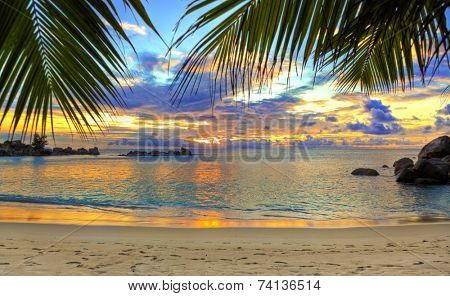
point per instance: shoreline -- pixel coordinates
(49, 249)
(38, 213)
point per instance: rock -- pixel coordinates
(446, 159)
(432, 168)
(82, 151)
(46, 152)
(365, 172)
(385, 166)
(69, 150)
(407, 175)
(185, 151)
(136, 153)
(438, 148)
(94, 151)
(402, 164)
(427, 181)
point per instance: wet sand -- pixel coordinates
(46, 249)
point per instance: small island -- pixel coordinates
(37, 148)
(182, 151)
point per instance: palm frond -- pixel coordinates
(61, 54)
(371, 44)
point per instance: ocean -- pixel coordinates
(310, 190)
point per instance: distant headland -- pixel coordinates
(37, 148)
(182, 151)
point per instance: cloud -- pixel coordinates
(379, 111)
(139, 30)
(308, 123)
(312, 142)
(382, 122)
(381, 116)
(427, 129)
(377, 105)
(376, 128)
(442, 122)
(331, 119)
(445, 110)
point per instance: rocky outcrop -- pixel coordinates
(432, 169)
(438, 148)
(135, 153)
(407, 175)
(365, 172)
(432, 166)
(446, 159)
(426, 181)
(403, 163)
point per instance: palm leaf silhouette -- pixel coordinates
(373, 45)
(61, 54)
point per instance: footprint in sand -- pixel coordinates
(333, 264)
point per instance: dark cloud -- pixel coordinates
(427, 129)
(331, 119)
(375, 128)
(149, 61)
(381, 116)
(382, 122)
(379, 111)
(308, 123)
(442, 122)
(377, 105)
(277, 105)
(445, 110)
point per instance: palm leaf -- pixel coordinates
(369, 44)
(59, 54)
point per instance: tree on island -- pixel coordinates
(39, 142)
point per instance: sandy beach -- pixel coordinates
(45, 249)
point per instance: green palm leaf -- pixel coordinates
(61, 54)
(369, 44)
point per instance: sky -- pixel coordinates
(315, 115)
